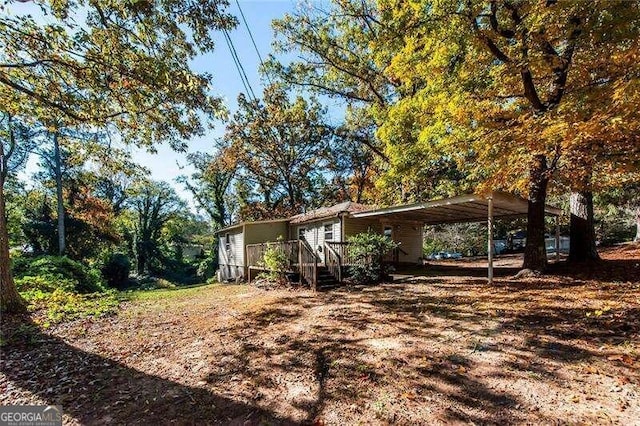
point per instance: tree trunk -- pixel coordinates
(10, 300)
(141, 261)
(535, 252)
(582, 232)
(58, 175)
(637, 238)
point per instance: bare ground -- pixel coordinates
(441, 349)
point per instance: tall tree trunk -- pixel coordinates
(141, 261)
(10, 300)
(637, 238)
(582, 232)
(58, 176)
(535, 252)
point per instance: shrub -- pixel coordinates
(46, 284)
(48, 273)
(277, 262)
(154, 283)
(59, 305)
(115, 269)
(368, 250)
(207, 267)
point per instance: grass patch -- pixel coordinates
(167, 293)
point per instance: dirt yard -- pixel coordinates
(441, 349)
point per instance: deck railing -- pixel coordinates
(303, 260)
(255, 252)
(308, 264)
(333, 261)
(343, 252)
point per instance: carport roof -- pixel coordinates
(463, 208)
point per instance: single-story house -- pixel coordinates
(316, 241)
(317, 227)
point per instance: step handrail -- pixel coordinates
(333, 261)
(308, 263)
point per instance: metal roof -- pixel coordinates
(463, 208)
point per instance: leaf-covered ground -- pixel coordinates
(438, 349)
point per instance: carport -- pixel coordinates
(466, 209)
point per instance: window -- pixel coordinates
(301, 232)
(388, 232)
(328, 231)
(227, 242)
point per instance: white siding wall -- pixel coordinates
(356, 226)
(409, 236)
(314, 234)
(231, 262)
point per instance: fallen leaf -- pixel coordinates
(627, 359)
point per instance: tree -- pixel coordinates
(352, 162)
(620, 207)
(504, 81)
(336, 59)
(125, 67)
(334, 47)
(211, 183)
(281, 147)
(12, 156)
(115, 175)
(154, 204)
(345, 49)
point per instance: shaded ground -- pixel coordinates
(430, 350)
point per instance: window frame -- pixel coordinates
(324, 229)
(390, 229)
(301, 232)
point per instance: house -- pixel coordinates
(232, 242)
(321, 229)
(316, 241)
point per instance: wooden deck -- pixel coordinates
(304, 261)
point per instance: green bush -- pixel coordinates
(276, 261)
(115, 270)
(48, 273)
(368, 250)
(207, 267)
(46, 284)
(154, 283)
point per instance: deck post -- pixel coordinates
(490, 240)
(300, 260)
(557, 239)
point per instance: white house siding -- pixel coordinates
(357, 226)
(409, 235)
(314, 233)
(231, 261)
(256, 233)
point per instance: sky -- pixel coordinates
(167, 164)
